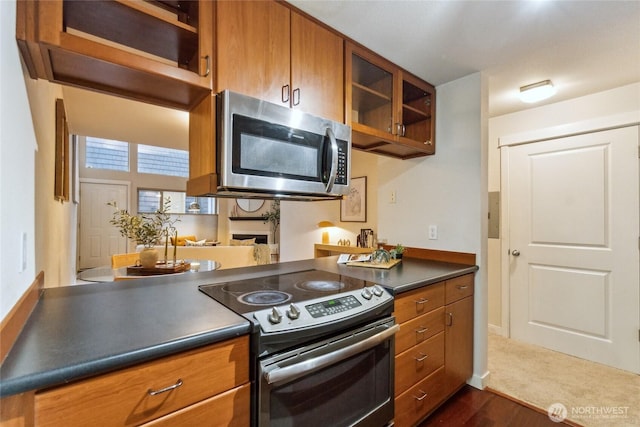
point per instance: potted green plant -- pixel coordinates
(145, 229)
(272, 216)
(397, 252)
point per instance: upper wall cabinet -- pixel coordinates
(390, 111)
(268, 51)
(159, 52)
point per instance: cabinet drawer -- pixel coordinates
(418, 362)
(458, 288)
(414, 404)
(123, 398)
(230, 408)
(418, 330)
(418, 302)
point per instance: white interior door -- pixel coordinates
(99, 239)
(573, 239)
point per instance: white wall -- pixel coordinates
(17, 168)
(298, 220)
(609, 106)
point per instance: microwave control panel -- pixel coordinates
(341, 176)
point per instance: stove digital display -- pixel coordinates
(332, 306)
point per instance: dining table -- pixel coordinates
(108, 274)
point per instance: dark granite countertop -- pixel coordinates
(81, 331)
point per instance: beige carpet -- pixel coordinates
(593, 394)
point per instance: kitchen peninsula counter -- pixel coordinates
(80, 331)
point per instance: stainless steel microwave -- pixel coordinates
(266, 150)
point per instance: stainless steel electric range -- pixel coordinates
(322, 348)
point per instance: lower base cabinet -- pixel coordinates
(434, 347)
(206, 386)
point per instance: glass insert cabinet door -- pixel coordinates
(372, 96)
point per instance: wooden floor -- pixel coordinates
(473, 407)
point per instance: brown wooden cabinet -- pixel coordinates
(433, 352)
(458, 332)
(268, 51)
(390, 111)
(207, 384)
(158, 52)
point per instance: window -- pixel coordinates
(150, 201)
(107, 154)
(163, 161)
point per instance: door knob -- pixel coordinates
(515, 252)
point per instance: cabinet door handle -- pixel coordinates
(151, 392)
(285, 93)
(421, 358)
(421, 398)
(449, 319)
(400, 129)
(207, 61)
(296, 96)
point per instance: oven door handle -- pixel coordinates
(292, 372)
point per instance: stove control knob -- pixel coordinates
(293, 313)
(275, 316)
(377, 291)
(366, 293)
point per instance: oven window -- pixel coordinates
(339, 395)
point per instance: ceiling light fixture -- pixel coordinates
(537, 91)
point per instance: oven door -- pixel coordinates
(346, 380)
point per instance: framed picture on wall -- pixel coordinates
(353, 207)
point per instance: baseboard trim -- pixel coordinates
(13, 323)
(479, 381)
(494, 329)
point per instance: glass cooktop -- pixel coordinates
(245, 296)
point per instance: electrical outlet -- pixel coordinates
(433, 232)
(392, 199)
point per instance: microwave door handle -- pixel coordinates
(334, 160)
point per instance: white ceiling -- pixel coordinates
(582, 46)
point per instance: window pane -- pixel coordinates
(163, 161)
(107, 154)
(177, 200)
(148, 201)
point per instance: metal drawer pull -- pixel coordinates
(450, 319)
(422, 330)
(461, 287)
(421, 398)
(208, 66)
(420, 302)
(164, 390)
(421, 358)
(296, 96)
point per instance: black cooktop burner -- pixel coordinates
(265, 297)
(246, 296)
